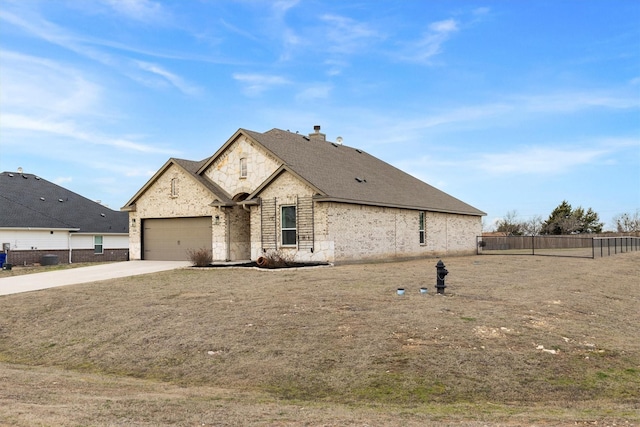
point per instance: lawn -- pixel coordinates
(515, 340)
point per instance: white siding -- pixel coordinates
(23, 240)
(35, 239)
(85, 241)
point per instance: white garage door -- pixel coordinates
(170, 239)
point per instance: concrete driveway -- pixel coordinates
(74, 276)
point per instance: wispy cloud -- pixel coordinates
(538, 160)
(314, 92)
(139, 10)
(42, 86)
(577, 100)
(347, 36)
(175, 80)
(256, 84)
(505, 111)
(69, 129)
(54, 34)
(430, 45)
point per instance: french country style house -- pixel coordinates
(308, 198)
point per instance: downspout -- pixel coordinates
(69, 243)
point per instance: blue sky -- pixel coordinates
(506, 105)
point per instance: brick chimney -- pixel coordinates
(317, 135)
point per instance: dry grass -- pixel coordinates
(516, 340)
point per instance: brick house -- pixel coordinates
(302, 195)
(38, 218)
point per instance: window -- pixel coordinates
(243, 167)
(288, 219)
(174, 187)
(421, 231)
(97, 245)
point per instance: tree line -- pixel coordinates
(566, 220)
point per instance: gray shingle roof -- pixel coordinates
(347, 174)
(27, 200)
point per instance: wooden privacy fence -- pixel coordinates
(569, 246)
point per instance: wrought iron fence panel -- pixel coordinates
(563, 246)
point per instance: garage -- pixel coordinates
(170, 239)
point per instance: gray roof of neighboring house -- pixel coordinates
(347, 174)
(28, 201)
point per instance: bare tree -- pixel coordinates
(510, 224)
(533, 227)
(627, 222)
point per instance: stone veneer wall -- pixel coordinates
(157, 202)
(451, 233)
(371, 232)
(349, 232)
(225, 170)
(286, 189)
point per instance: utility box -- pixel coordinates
(49, 260)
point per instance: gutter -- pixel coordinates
(391, 205)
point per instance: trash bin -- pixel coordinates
(49, 260)
(3, 259)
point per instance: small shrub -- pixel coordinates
(200, 257)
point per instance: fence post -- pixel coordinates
(533, 244)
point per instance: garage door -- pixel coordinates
(169, 239)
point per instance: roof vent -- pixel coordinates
(25, 176)
(359, 150)
(42, 198)
(19, 169)
(339, 140)
(360, 179)
(60, 200)
(10, 175)
(102, 215)
(38, 178)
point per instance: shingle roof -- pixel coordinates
(347, 174)
(27, 200)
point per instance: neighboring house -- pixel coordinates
(40, 218)
(311, 199)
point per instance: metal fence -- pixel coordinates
(567, 246)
